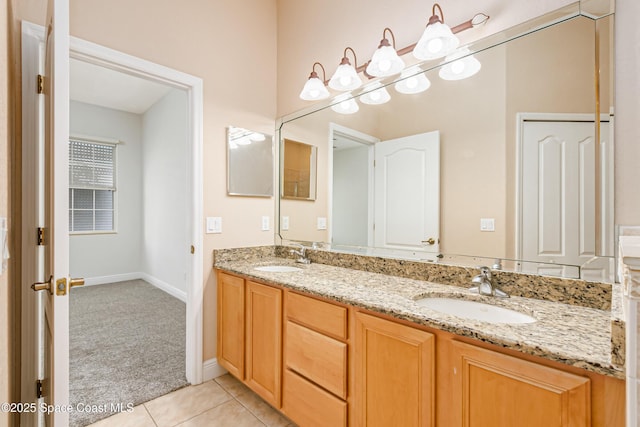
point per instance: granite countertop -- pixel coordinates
(570, 334)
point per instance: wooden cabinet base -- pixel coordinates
(310, 406)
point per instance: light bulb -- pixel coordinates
(314, 93)
(385, 65)
(344, 105)
(375, 95)
(457, 67)
(345, 80)
(411, 82)
(435, 45)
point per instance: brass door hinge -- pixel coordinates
(38, 389)
(40, 84)
(40, 236)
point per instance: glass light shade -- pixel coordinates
(314, 89)
(461, 68)
(345, 105)
(385, 62)
(436, 41)
(377, 94)
(413, 81)
(345, 78)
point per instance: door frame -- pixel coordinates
(365, 139)
(193, 86)
(606, 207)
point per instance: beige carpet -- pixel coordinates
(126, 346)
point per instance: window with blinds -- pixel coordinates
(92, 167)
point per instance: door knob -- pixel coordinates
(41, 286)
(429, 241)
(76, 282)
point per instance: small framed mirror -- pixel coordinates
(249, 163)
(299, 170)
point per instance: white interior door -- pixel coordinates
(407, 193)
(558, 187)
(56, 263)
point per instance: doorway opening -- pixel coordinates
(184, 249)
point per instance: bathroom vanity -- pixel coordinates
(334, 346)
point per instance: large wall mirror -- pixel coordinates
(249, 163)
(520, 158)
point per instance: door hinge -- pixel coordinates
(40, 84)
(193, 249)
(40, 236)
(38, 389)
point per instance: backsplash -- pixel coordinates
(568, 291)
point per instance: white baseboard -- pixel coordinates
(211, 369)
(114, 278)
(164, 286)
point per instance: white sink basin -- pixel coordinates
(278, 268)
(475, 310)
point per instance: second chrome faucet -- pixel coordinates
(484, 284)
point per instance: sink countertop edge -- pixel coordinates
(581, 338)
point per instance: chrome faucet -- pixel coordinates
(302, 254)
(485, 286)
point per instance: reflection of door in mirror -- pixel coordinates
(407, 193)
(298, 179)
(385, 194)
(559, 203)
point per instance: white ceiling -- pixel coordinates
(97, 85)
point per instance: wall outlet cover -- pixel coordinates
(322, 223)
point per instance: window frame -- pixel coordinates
(98, 141)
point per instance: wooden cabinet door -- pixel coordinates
(264, 341)
(394, 374)
(230, 340)
(495, 390)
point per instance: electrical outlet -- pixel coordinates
(214, 225)
(285, 223)
(487, 224)
(265, 223)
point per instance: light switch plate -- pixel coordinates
(265, 223)
(285, 223)
(487, 224)
(214, 225)
(322, 223)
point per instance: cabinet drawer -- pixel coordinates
(317, 357)
(322, 316)
(309, 406)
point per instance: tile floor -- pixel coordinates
(221, 402)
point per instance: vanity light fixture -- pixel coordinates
(314, 89)
(346, 77)
(385, 60)
(437, 40)
(463, 65)
(375, 94)
(345, 104)
(412, 80)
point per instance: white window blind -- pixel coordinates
(92, 181)
(91, 165)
